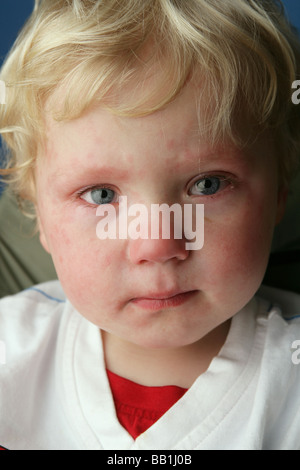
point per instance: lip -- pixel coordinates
(162, 301)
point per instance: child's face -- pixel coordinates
(156, 159)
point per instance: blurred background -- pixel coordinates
(13, 14)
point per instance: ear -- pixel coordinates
(281, 203)
(43, 241)
(42, 235)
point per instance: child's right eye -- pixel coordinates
(99, 196)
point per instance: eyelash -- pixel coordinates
(88, 189)
(223, 179)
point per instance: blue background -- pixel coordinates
(13, 14)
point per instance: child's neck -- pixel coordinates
(159, 367)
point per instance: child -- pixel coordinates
(145, 343)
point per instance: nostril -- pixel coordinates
(157, 250)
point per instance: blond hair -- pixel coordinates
(92, 49)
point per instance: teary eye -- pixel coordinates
(99, 196)
(206, 186)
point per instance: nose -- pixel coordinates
(157, 250)
(161, 237)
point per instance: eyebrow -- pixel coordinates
(95, 171)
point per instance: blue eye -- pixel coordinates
(99, 196)
(206, 186)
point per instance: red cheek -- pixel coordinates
(171, 144)
(100, 257)
(59, 234)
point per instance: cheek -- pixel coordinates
(84, 264)
(88, 277)
(238, 248)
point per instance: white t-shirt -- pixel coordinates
(54, 392)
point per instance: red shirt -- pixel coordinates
(138, 406)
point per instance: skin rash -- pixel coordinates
(125, 286)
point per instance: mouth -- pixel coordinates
(162, 301)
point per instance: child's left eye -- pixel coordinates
(99, 196)
(208, 185)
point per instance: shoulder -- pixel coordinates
(39, 300)
(29, 316)
(287, 303)
(277, 352)
(280, 313)
(33, 325)
(38, 294)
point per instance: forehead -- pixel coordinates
(180, 128)
(178, 119)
